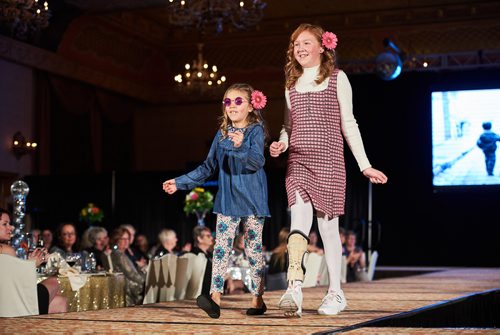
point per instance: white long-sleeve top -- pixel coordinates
(18, 293)
(350, 130)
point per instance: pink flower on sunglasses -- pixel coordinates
(259, 100)
(329, 40)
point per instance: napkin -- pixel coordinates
(76, 280)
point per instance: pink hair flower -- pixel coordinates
(259, 100)
(329, 40)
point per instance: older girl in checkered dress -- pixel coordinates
(319, 116)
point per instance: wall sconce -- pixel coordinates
(21, 146)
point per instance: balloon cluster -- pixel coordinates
(19, 190)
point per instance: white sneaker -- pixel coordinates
(333, 303)
(291, 302)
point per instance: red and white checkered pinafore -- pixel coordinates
(316, 166)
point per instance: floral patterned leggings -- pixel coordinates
(225, 233)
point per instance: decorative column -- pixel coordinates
(19, 190)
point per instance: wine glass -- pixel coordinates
(73, 258)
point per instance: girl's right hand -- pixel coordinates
(169, 186)
(276, 148)
(375, 176)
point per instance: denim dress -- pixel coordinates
(242, 180)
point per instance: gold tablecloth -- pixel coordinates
(99, 292)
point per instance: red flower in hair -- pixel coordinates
(259, 100)
(329, 40)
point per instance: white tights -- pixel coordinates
(302, 218)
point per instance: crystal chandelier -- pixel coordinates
(201, 13)
(23, 19)
(200, 76)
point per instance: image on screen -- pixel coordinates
(466, 137)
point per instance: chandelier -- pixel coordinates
(201, 13)
(23, 19)
(199, 76)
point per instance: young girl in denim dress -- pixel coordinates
(237, 154)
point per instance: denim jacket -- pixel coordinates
(242, 180)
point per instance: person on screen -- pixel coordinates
(488, 143)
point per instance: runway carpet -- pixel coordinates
(366, 301)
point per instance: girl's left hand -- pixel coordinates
(237, 138)
(375, 176)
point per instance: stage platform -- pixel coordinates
(367, 303)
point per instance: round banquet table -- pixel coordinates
(100, 291)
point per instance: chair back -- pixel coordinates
(151, 289)
(313, 265)
(323, 278)
(183, 274)
(107, 263)
(371, 265)
(18, 292)
(168, 270)
(195, 284)
(343, 270)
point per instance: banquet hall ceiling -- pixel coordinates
(128, 46)
(356, 17)
(418, 27)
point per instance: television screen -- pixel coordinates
(465, 137)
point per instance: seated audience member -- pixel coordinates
(47, 238)
(120, 240)
(84, 241)
(342, 240)
(313, 243)
(203, 243)
(131, 252)
(277, 263)
(238, 257)
(98, 237)
(35, 234)
(49, 300)
(187, 247)
(167, 239)
(238, 263)
(355, 257)
(141, 245)
(66, 240)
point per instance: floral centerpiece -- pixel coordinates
(91, 214)
(199, 201)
